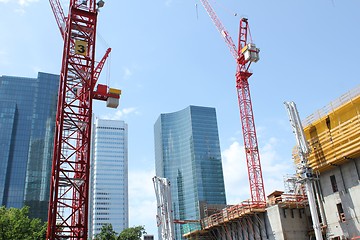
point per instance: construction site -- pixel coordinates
(320, 200)
(334, 138)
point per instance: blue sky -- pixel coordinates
(167, 54)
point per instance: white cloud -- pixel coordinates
(142, 200)
(121, 114)
(26, 2)
(127, 72)
(22, 3)
(236, 175)
(168, 2)
(20, 11)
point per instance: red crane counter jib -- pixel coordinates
(69, 186)
(244, 55)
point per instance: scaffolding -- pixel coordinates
(225, 223)
(242, 221)
(333, 132)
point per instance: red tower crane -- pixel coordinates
(244, 55)
(69, 186)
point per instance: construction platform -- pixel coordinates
(226, 215)
(333, 132)
(241, 212)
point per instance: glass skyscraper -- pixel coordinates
(109, 176)
(187, 153)
(27, 120)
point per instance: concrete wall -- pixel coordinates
(287, 224)
(346, 225)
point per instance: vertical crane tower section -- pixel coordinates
(304, 171)
(69, 186)
(244, 55)
(165, 213)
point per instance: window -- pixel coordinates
(333, 183)
(341, 212)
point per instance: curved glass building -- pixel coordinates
(187, 153)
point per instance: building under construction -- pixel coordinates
(333, 134)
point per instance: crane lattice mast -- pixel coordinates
(69, 186)
(244, 55)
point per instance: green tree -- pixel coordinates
(106, 233)
(15, 224)
(133, 233)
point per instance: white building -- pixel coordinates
(109, 176)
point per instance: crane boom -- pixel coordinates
(304, 170)
(303, 146)
(220, 27)
(100, 65)
(246, 54)
(59, 15)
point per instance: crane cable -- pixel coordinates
(108, 61)
(221, 5)
(226, 9)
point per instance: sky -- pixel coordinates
(167, 55)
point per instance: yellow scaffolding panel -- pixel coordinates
(333, 132)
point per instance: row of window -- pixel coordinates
(114, 128)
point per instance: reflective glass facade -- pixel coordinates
(27, 118)
(187, 152)
(109, 176)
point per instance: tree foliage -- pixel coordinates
(133, 233)
(15, 224)
(107, 233)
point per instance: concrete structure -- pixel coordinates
(340, 198)
(334, 137)
(187, 153)
(148, 237)
(285, 217)
(109, 176)
(27, 118)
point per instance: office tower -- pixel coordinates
(109, 176)
(27, 120)
(187, 153)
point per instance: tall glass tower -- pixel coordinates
(187, 153)
(109, 176)
(27, 120)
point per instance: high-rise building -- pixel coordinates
(109, 176)
(27, 120)
(187, 153)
